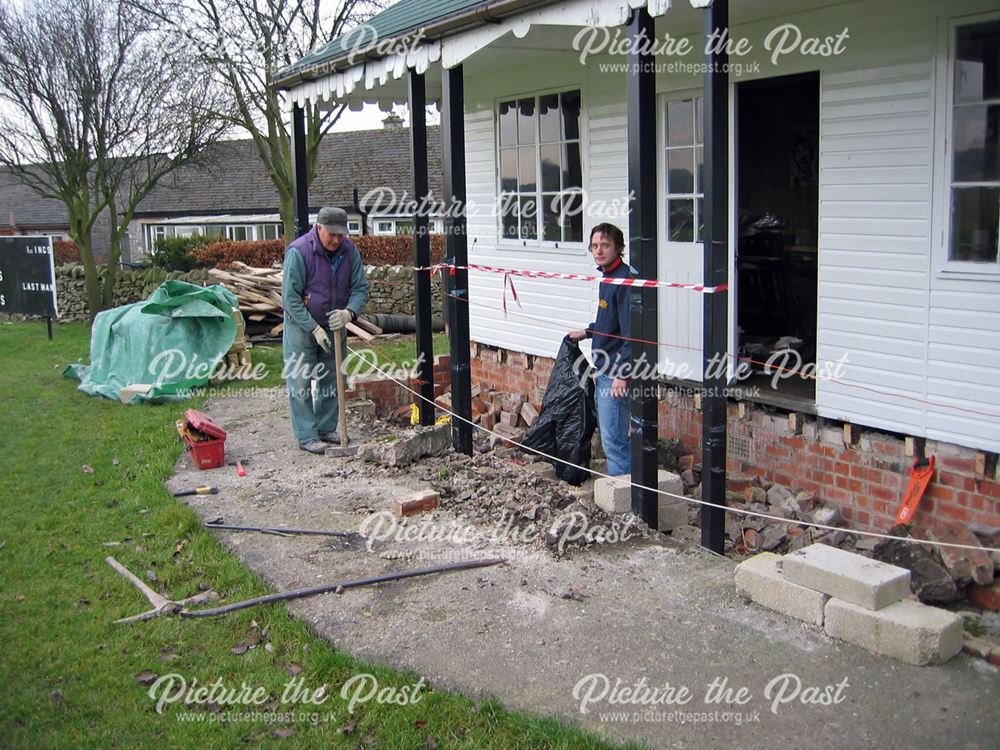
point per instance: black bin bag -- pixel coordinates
(568, 416)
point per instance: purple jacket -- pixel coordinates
(326, 284)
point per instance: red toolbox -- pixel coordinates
(205, 439)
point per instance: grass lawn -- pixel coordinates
(82, 478)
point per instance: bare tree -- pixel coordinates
(94, 111)
(248, 42)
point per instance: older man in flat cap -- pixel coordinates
(324, 288)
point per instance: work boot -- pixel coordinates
(330, 437)
(313, 446)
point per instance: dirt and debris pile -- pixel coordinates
(524, 501)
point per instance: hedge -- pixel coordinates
(376, 250)
(256, 253)
(65, 251)
(395, 249)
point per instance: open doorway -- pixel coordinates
(778, 226)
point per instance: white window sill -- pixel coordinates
(569, 249)
(959, 271)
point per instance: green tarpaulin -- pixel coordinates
(158, 350)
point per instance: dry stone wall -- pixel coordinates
(130, 286)
(390, 288)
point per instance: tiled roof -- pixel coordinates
(29, 208)
(232, 179)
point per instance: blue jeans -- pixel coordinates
(613, 421)
(305, 361)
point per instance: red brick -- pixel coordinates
(884, 493)
(838, 496)
(418, 502)
(738, 482)
(985, 596)
(953, 511)
(893, 448)
(851, 457)
(959, 464)
(944, 493)
(529, 413)
(961, 563)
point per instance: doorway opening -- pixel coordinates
(777, 174)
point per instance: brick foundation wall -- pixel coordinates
(510, 372)
(389, 396)
(865, 478)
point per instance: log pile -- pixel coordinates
(259, 293)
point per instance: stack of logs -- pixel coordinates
(259, 293)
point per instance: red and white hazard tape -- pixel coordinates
(580, 277)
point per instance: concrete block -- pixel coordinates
(669, 482)
(424, 441)
(759, 578)
(670, 513)
(613, 494)
(846, 575)
(364, 408)
(907, 630)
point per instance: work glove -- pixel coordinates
(339, 319)
(322, 338)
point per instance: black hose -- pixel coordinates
(298, 594)
(400, 323)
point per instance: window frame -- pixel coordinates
(662, 194)
(248, 230)
(156, 232)
(510, 243)
(944, 266)
(262, 230)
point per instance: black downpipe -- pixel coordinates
(421, 248)
(641, 116)
(300, 177)
(456, 250)
(713, 403)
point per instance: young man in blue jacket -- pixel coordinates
(323, 288)
(610, 350)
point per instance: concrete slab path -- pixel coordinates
(660, 616)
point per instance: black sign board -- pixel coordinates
(27, 276)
